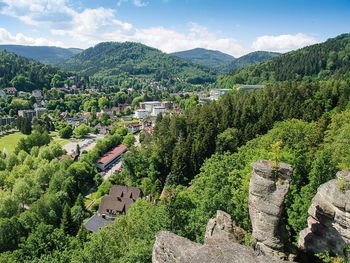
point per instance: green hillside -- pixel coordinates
(318, 61)
(43, 54)
(205, 57)
(116, 61)
(25, 74)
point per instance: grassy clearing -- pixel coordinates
(55, 137)
(9, 142)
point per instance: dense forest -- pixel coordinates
(209, 58)
(318, 61)
(26, 74)
(114, 61)
(43, 54)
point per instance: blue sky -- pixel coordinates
(235, 27)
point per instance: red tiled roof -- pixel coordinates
(108, 157)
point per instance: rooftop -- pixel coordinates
(109, 156)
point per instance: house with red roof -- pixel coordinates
(111, 158)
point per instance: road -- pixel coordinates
(110, 172)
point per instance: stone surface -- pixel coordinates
(219, 246)
(267, 190)
(329, 219)
(222, 229)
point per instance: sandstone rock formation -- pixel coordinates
(221, 229)
(267, 190)
(329, 219)
(219, 246)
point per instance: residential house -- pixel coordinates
(37, 94)
(111, 158)
(22, 94)
(141, 114)
(7, 121)
(158, 110)
(133, 127)
(118, 201)
(215, 94)
(11, 91)
(29, 114)
(40, 112)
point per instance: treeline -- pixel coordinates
(181, 144)
(320, 61)
(25, 74)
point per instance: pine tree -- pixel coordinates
(67, 223)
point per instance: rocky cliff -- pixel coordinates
(268, 187)
(329, 217)
(219, 246)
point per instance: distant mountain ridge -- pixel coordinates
(222, 62)
(249, 59)
(205, 57)
(43, 54)
(122, 59)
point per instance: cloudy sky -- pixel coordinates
(232, 26)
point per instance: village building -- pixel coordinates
(22, 94)
(7, 121)
(158, 110)
(141, 114)
(111, 158)
(215, 94)
(133, 127)
(118, 201)
(37, 94)
(10, 91)
(40, 112)
(28, 114)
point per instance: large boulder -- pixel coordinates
(329, 218)
(269, 184)
(219, 246)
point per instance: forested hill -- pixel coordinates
(319, 61)
(112, 59)
(249, 59)
(25, 74)
(43, 54)
(205, 57)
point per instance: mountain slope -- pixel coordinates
(319, 61)
(25, 74)
(205, 57)
(129, 59)
(43, 54)
(249, 59)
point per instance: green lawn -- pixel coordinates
(9, 142)
(55, 137)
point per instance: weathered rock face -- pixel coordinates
(329, 219)
(222, 229)
(267, 190)
(219, 246)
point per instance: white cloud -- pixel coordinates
(283, 43)
(137, 3)
(20, 39)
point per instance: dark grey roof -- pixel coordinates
(96, 222)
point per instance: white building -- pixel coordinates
(148, 105)
(215, 94)
(37, 94)
(158, 110)
(141, 114)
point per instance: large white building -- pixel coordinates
(141, 114)
(157, 110)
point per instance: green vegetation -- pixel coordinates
(316, 62)
(43, 54)
(113, 63)
(25, 74)
(8, 142)
(205, 57)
